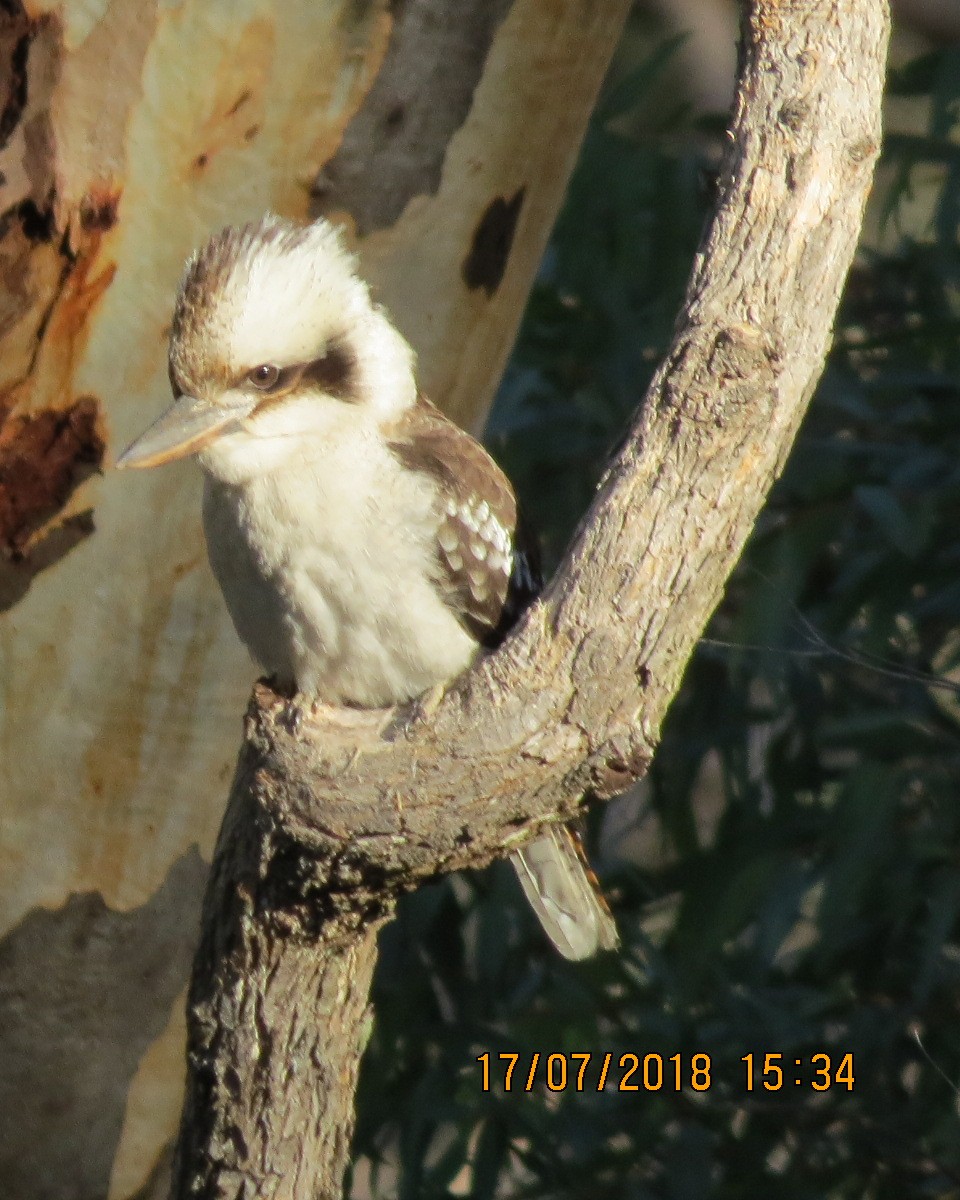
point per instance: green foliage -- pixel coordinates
(805, 897)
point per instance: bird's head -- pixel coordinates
(274, 338)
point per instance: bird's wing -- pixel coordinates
(487, 566)
(489, 571)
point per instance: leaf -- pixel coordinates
(886, 511)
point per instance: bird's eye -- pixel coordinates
(265, 377)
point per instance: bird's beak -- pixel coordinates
(186, 427)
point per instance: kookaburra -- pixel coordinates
(367, 548)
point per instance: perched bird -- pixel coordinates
(367, 548)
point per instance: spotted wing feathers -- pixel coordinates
(486, 578)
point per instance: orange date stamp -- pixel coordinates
(628, 1072)
(596, 1071)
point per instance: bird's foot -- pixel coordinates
(291, 716)
(429, 702)
(404, 716)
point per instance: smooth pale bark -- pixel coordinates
(330, 821)
(442, 133)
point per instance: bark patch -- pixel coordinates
(98, 211)
(492, 239)
(394, 147)
(84, 991)
(44, 456)
(15, 33)
(37, 223)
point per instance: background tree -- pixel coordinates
(446, 133)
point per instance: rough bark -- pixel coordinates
(333, 815)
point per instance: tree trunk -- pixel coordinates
(442, 132)
(329, 822)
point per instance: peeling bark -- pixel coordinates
(43, 457)
(130, 130)
(393, 149)
(84, 990)
(490, 247)
(330, 821)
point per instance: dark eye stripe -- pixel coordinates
(334, 373)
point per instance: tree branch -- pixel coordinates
(329, 822)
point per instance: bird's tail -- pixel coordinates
(565, 894)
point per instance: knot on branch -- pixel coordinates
(305, 895)
(720, 376)
(742, 352)
(623, 759)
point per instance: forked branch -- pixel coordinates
(329, 821)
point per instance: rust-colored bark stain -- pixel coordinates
(51, 280)
(31, 275)
(63, 334)
(492, 240)
(48, 290)
(240, 101)
(236, 116)
(43, 457)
